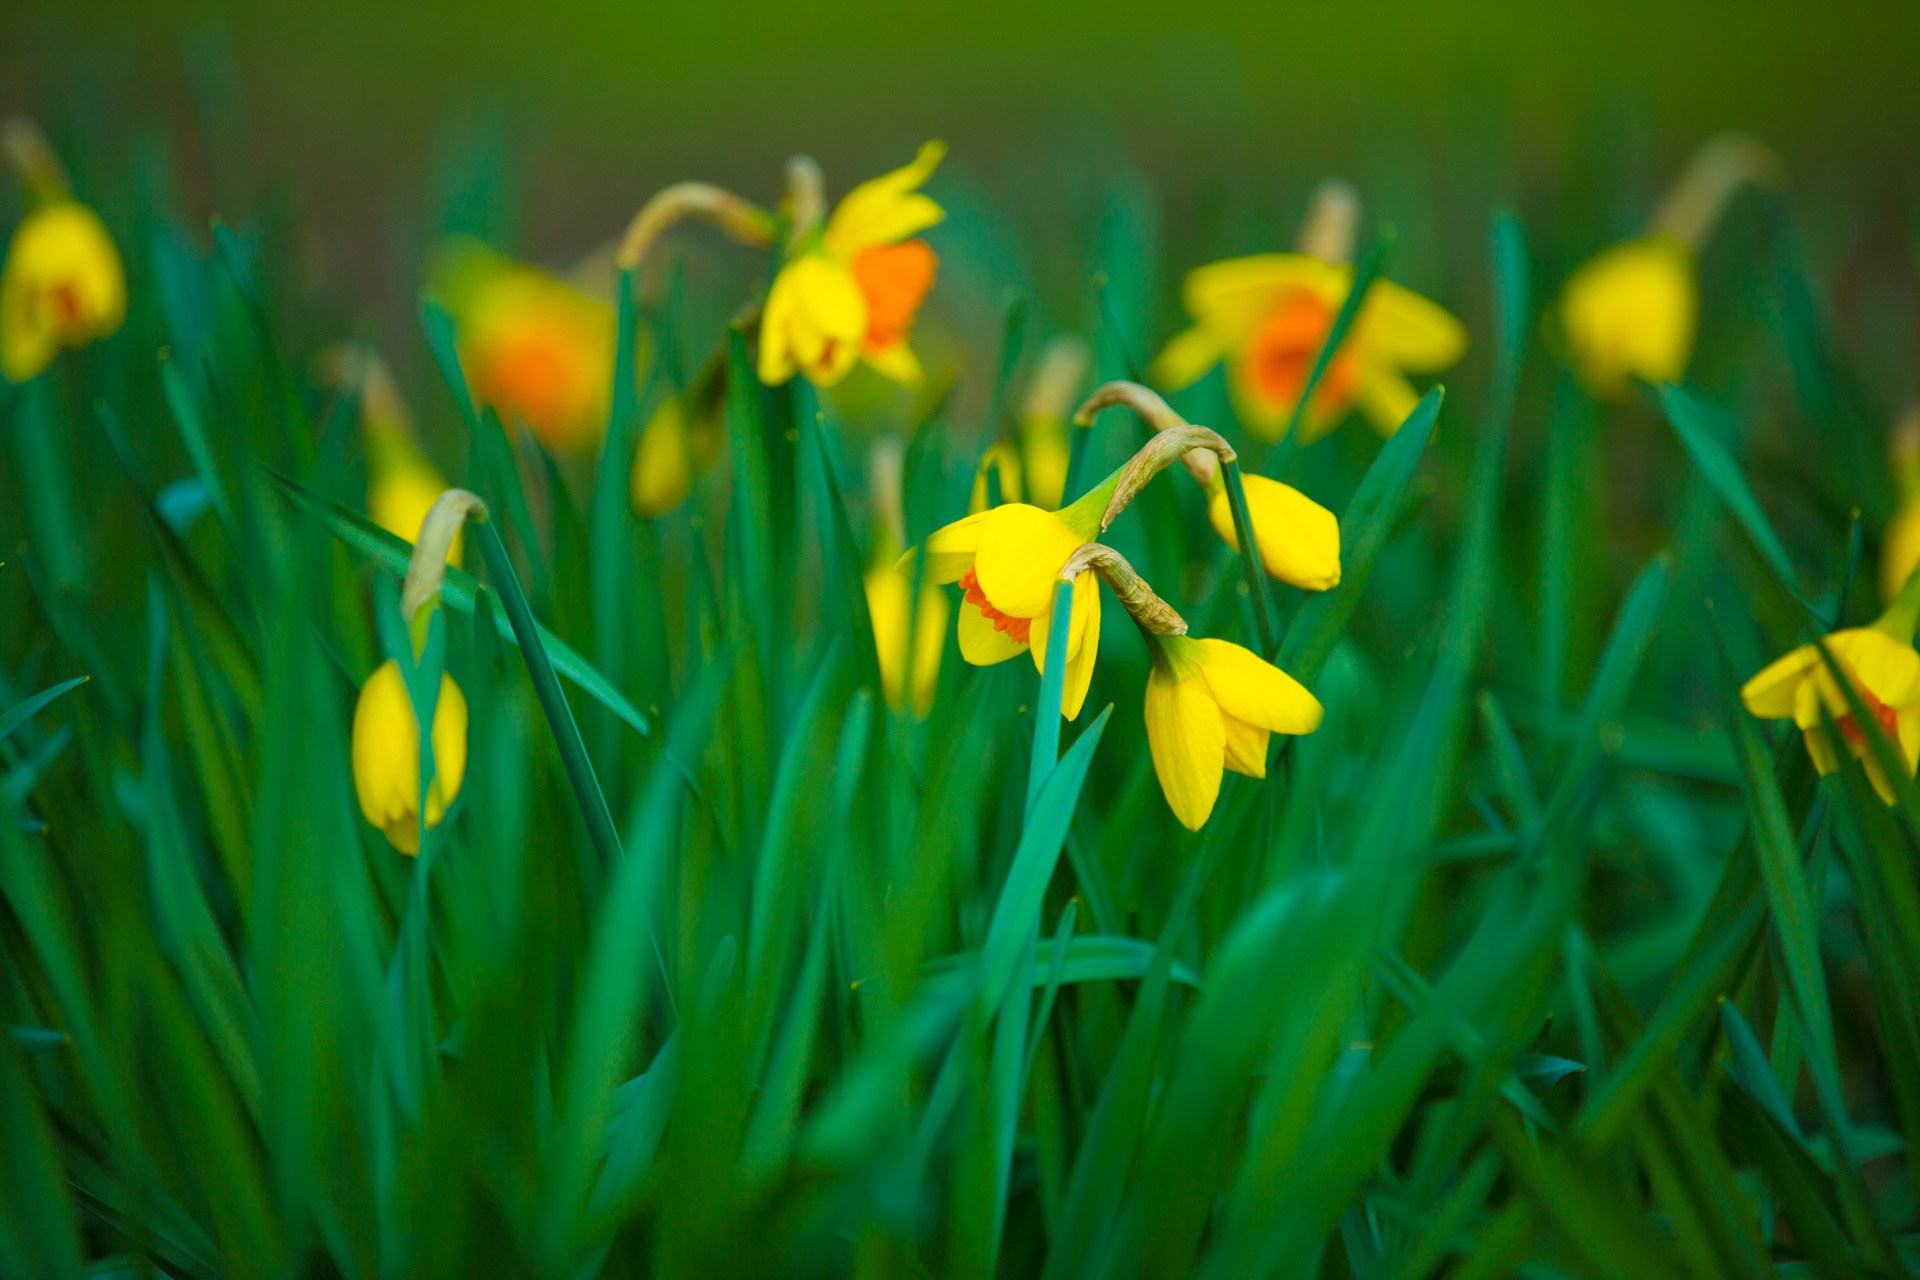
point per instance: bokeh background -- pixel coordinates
(374, 126)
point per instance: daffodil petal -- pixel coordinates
(1246, 747)
(1406, 329)
(898, 364)
(1889, 669)
(1186, 359)
(886, 209)
(1187, 738)
(1020, 555)
(822, 320)
(1630, 312)
(950, 550)
(980, 644)
(1770, 694)
(1251, 689)
(1386, 398)
(1231, 297)
(1299, 539)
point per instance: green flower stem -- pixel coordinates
(1046, 718)
(1365, 272)
(546, 685)
(1250, 562)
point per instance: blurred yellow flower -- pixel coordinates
(888, 600)
(1004, 459)
(1045, 431)
(535, 348)
(852, 291)
(401, 489)
(1212, 705)
(1884, 671)
(1630, 312)
(62, 286)
(684, 438)
(1268, 316)
(1007, 561)
(1299, 539)
(386, 755)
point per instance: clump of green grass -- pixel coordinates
(1539, 957)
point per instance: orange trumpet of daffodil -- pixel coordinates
(1880, 663)
(1212, 705)
(62, 284)
(850, 290)
(1630, 311)
(1267, 316)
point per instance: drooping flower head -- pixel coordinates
(1212, 705)
(850, 291)
(402, 484)
(1631, 311)
(1880, 663)
(386, 755)
(909, 642)
(535, 348)
(386, 728)
(1007, 561)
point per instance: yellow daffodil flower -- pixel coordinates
(888, 604)
(684, 438)
(1900, 545)
(1007, 561)
(1881, 665)
(851, 291)
(386, 755)
(62, 286)
(402, 485)
(1212, 705)
(1630, 312)
(400, 492)
(1046, 434)
(535, 348)
(1268, 315)
(1299, 539)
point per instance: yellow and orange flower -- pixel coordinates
(1212, 705)
(535, 348)
(62, 286)
(1268, 315)
(1884, 671)
(851, 291)
(1007, 562)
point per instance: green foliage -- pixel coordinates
(1541, 957)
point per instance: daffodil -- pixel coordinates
(684, 438)
(402, 485)
(386, 730)
(1880, 664)
(1630, 312)
(1267, 317)
(1299, 539)
(535, 348)
(1045, 432)
(401, 489)
(1003, 460)
(1212, 705)
(1007, 561)
(386, 755)
(850, 291)
(896, 627)
(62, 286)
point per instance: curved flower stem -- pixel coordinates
(1722, 165)
(428, 567)
(1327, 232)
(806, 198)
(738, 217)
(25, 148)
(1150, 613)
(1204, 452)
